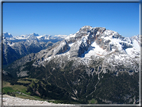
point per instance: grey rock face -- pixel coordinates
(63, 47)
(85, 29)
(74, 49)
(9, 54)
(125, 45)
(13, 51)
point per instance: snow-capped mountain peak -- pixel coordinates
(7, 35)
(34, 34)
(94, 43)
(44, 38)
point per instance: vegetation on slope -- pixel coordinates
(76, 86)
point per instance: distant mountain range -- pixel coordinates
(17, 47)
(94, 65)
(41, 38)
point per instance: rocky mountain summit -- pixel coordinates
(89, 43)
(94, 64)
(7, 35)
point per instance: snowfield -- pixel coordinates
(94, 49)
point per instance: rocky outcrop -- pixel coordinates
(62, 48)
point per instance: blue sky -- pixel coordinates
(68, 18)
